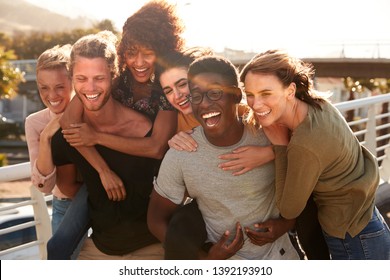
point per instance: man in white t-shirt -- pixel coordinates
(230, 206)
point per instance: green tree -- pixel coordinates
(10, 77)
(31, 45)
(106, 24)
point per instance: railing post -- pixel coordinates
(370, 136)
(15, 172)
(41, 216)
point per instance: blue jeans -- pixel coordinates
(58, 213)
(372, 243)
(66, 242)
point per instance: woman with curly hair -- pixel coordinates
(149, 33)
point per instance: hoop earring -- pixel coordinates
(152, 77)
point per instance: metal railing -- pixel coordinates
(371, 127)
(41, 223)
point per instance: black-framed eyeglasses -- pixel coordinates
(214, 94)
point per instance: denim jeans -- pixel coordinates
(66, 242)
(58, 213)
(372, 243)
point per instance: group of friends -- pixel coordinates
(170, 153)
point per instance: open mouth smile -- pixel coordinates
(211, 119)
(54, 103)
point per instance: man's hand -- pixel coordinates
(269, 231)
(113, 185)
(223, 250)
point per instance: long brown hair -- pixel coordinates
(288, 70)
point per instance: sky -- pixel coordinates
(305, 28)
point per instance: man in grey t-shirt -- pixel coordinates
(228, 204)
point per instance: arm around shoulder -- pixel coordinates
(72, 114)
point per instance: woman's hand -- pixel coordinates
(80, 134)
(244, 159)
(183, 141)
(50, 129)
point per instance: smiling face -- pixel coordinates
(140, 61)
(175, 86)
(268, 98)
(92, 82)
(218, 118)
(55, 88)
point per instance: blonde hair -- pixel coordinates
(54, 58)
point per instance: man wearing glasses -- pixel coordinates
(231, 206)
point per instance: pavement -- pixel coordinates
(15, 190)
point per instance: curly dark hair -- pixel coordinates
(156, 26)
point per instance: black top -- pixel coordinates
(148, 105)
(118, 227)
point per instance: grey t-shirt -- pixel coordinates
(223, 198)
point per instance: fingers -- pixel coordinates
(238, 240)
(109, 195)
(70, 131)
(260, 235)
(236, 243)
(232, 165)
(228, 156)
(181, 144)
(224, 238)
(240, 149)
(233, 162)
(73, 140)
(122, 193)
(183, 141)
(242, 171)
(173, 145)
(116, 194)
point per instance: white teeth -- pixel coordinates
(183, 102)
(91, 96)
(262, 114)
(210, 115)
(54, 103)
(141, 69)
